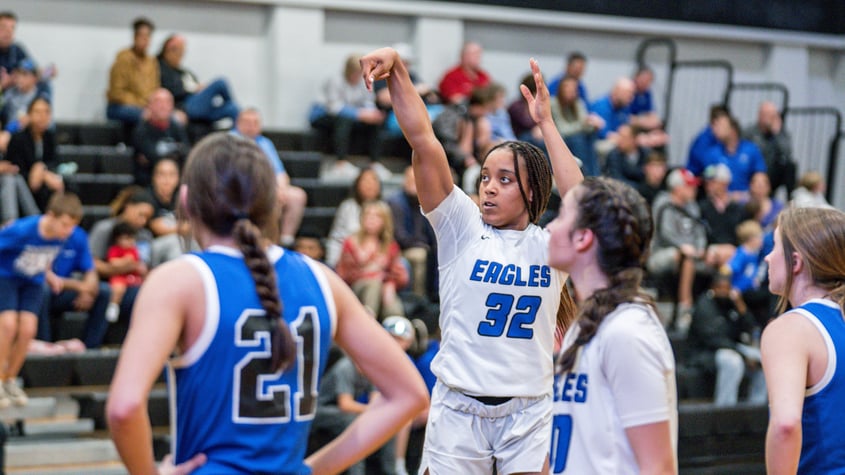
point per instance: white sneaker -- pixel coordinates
(382, 171)
(4, 398)
(342, 171)
(112, 312)
(14, 393)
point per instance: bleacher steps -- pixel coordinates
(37, 408)
(104, 468)
(49, 454)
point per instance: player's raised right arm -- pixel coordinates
(431, 168)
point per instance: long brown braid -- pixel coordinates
(539, 175)
(232, 192)
(621, 223)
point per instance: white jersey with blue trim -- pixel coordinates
(624, 377)
(498, 304)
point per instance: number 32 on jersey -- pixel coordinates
(510, 317)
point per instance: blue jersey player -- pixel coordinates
(247, 327)
(804, 349)
(499, 298)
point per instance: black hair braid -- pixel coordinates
(621, 223)
(248, 238)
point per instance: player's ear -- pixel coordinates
(583, 239)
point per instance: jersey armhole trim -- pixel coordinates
(328, 296)
(831, 353)
(212, 315)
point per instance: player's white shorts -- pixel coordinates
(467, 436)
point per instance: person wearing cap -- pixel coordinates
(680, 237)
(721, 213)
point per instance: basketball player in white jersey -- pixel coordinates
(499, 299)
(615, 408)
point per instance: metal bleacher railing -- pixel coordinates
(685, 90)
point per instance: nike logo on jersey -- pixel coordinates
(484, 236)
(509, 274)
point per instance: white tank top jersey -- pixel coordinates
(624, 377)
(498, 304)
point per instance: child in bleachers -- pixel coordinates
(370, 262)
(123, 249)
(749, 271)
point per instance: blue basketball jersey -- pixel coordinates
(225, 401)
(24, 254)
(823, 419)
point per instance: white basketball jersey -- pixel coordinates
(498, 304)
(624, 377)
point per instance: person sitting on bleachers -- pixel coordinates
(158, 136)
(310, 243)
(15, 198)
(654, 172)
(292, 199)
(72, 284)
(500, 122)
(613, 108)
(523, 125)
(414, 235)
(643, 113)
(742, 157)
(721, 214)
(775, 144)
(33, 151)
(458, 83)
(12, 53)
(200, 102)
(627, 160)
(164, 224)
(699, 152)
(720, 341)
(346, 108)
(576, 66)
(766, 208)
(133, 77)
(749, 271)
(347, 219)
(16, 100)
(134, 206)
(371, 262)
(810, 192)
(576, 124)
(679, 246)
(123, 250)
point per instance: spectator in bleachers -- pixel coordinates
(414, 235)
(27, 247)
(680, 238)
(482, 103)
(500, 122)
(720, 213)
(13, 53)
(165, 226)
(775, 144)
(292, 198)
(576, 125)
(654, 171)
(200, 102)
(158, 136)
(135, 206)
(458, 83)
(524, 126)
(133, 77)
(371, 262)
(766, 208)
(17, 98)
(310, 243)
(347, 218)
(15, 197)
(33, 151)
(73, 285)
(720, 342)
(626, 161)
(576, 65)
(810, 192)
(699, 151)
(749, 271)
(123, 250)
(345, 108)
(643, 113)
(429, 95)
(740, 155)
(614, 107)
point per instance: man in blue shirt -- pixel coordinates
(705, 140)
(73, 284)
(292, 199)
(576, 64)
(741, 156)
(613, 108)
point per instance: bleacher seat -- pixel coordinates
(321, 193)
(319, 219)
(301, 164)
(99, 188)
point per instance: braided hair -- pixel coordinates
(539, 175)
(232, 192)
(621, 223)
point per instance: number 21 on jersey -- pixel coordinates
(259, 395)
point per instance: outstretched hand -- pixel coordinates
(540, 104)
(377, 65)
